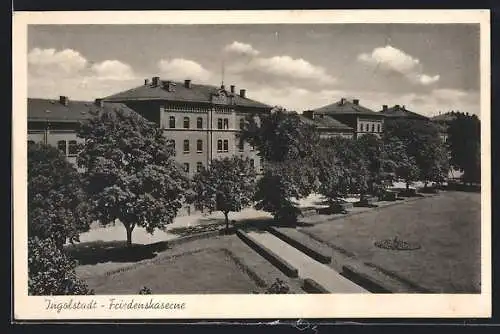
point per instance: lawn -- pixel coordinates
(222, 264)
(446, 226)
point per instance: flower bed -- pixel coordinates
(396, 244)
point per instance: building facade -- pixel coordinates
(201, 122)
(54, 122)
(350, 113)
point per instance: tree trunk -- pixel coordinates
(129, 228)
(227, 220)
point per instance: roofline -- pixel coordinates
(123, 100)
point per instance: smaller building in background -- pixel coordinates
(327, 126)
(55, 122)
(398, 111)
(443, 122)
(352, 114)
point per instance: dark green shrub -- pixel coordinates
(51, 272)
(278, 287)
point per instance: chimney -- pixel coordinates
(232, 88)
(397, 106)
(384, 107)
(99, 103)
(187, 83)
(222, 87)
(63, 100)
(342, 101)
(355, 101)
(156, 81)
(243, 93)
(146, 82)
(403, 107)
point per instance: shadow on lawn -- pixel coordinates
(113, 251)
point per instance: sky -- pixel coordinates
(429, 68)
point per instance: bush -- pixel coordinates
(51, 272)
(278, 287)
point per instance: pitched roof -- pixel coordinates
(446, 117)
(347, 108)
(196, 93)
(325, 122)
(74, 111)
(401, 111)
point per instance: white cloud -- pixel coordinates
(392, 59)
(50, 61)
(113, 70)
(425, 79)
(241, 48)
(52, 73)
(428, 104)
(180, 69)
(282, 70)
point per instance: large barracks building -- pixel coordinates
(201, 121)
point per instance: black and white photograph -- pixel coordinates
(249, 160)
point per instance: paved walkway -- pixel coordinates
(307, 266)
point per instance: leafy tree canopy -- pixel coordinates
(280, 135)
(227, 185)
(129, 171)
(57, 204)
(464, 137)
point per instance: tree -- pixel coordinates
(343, 169)
(50, 271)
(372, 149)
(227, 185)
(400, 162)
(464, 137)
(287, 145)
(281, 183)
(57, 204)
(280, 135)
(129, 171)
(423, 146)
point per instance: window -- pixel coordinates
(199, 123)
(186, 146)
(226, 145)
(373, 127)
(219, 123)
(186, 167)
(361, 127)
(252, 148)
(242, 123)
(171, 122)
(186, 122)
(219, 145)
(252, 163)
(199, 146)
(226, 123)
(378, 127)
(61, 145)
(72, 148)
(199, 166)
(241, 145)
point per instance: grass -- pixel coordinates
(222, 264)
(446, 226)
